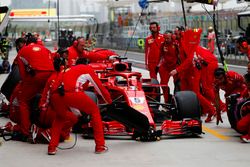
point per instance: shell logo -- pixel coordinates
(36, 49)
(138, 107)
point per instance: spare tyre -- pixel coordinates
(11, 82)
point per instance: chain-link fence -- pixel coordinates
(133, 37)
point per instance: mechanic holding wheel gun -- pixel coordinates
(152, 49)
(68, 92)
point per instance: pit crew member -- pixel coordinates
(152, 49)
(169, 60)
(35, 66)
(230, 82)
(76, 50)
(68, 91)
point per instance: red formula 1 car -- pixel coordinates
(136, 106)
(135, 110)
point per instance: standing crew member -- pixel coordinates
(152, 49)
(168, 62)
(76, 51)
(211, 39)
(69, 92)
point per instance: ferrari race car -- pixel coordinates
(137, 109)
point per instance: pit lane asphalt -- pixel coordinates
(219, 146)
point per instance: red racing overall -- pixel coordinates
(75, 81)
(169, 61)
(209, 63)
(73, 55)
(233, 84)
(152, 53)
(35, 66)
(190, 42)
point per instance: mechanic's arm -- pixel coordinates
(95, 81)
(161, 61)
(186, 65)
(21, 66)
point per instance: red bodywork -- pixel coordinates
(128, 87)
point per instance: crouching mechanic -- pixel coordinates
(230, 82)
(35, 66)
(68, 92)
(42, 128)
(41, 119)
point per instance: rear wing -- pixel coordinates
(5, 20)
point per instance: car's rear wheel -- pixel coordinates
(11, 81)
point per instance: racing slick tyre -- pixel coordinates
(237, 110)
(232, 115)
(5, 67)
(187, 105)
(11, 82)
